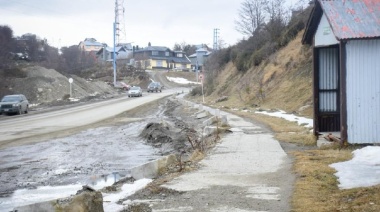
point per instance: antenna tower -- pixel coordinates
(215, 43)
(120, 22)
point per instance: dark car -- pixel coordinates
(154, 87)
(17, 104)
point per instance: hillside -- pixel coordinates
(44, 86)
(282, 82)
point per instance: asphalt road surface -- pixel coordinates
(20, 130)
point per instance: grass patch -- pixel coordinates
(316, 188)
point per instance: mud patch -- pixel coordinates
(157, 133)
(173, 133)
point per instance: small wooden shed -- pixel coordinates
(345, 35)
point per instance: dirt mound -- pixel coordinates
(41, 85)
(157, 133)
(172, 134)
(168, 138)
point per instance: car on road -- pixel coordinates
(17, 104)
(154, 87)
(135, 91)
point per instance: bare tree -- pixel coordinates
(276, 9)
(186, 48)
(6, 40)
(177, 47)
(251, 16)
(71, 57)
(277, 17)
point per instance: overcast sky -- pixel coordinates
(163, 23)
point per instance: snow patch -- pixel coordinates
(306, 122)
(363, 170)
(180, 80)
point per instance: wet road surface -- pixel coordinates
(98, 157)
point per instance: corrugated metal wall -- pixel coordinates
(363, 91)
(328, 79)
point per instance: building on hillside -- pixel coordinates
(105, 54)
(160, 58)
(90, 45)
(346, 68)
(199, 58)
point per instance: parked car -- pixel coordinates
(123, 86)
(135, 91)
(17, 104)
(154, 87)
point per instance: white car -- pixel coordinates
(135, 91)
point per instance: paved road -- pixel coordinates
(32, 125)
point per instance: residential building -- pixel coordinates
(199, 58)
(160, 58)
(105, 54)
(90, 45)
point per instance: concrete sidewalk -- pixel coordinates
(247, 171)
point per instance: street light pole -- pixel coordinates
(196, 69)
(71, 82)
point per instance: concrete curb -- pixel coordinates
(153, 169)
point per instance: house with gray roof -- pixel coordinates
(106, 54)
(345, 36)
(199, 58)
(160, 58)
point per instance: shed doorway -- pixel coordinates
(327, 86)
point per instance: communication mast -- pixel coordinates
(215, 43)
(120, 22)
(119, 34)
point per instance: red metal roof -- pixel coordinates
(352, 19)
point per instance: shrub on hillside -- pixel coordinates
(14, 72)
(197, 91)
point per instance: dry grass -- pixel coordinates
(283, 81)
(316, 187)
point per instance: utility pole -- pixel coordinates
(114, 44)
(215, 43)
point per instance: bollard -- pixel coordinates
(224, 119)
(217, 113)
